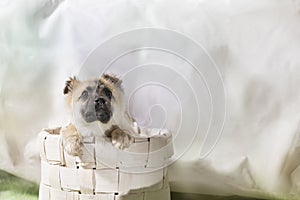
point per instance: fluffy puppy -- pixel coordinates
(98, 108)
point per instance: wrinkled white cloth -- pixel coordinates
(255, 45)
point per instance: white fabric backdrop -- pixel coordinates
(256, 45)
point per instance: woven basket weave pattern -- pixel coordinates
(66, 177)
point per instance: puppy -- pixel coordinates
(98, 108)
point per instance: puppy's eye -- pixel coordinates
(84, 95)
(107, 92)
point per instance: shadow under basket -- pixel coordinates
(104, 172)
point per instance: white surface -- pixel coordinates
(106, 180)
(53, 149)
(255, 44)
(87, 181)
(130, 181)
(54, 194)
(69, 178)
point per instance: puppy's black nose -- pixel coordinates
(100, 101)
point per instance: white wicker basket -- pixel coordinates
(65, 177)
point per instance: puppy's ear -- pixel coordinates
(113, 79)
(70, 85)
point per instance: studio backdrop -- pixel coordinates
(223, 76)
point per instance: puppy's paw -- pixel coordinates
(121, 139)
(73, 145)
(71, 140)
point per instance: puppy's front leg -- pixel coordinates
(120, 139)
(71, 140)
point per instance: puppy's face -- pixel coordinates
(93, 100)
(103, 105)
